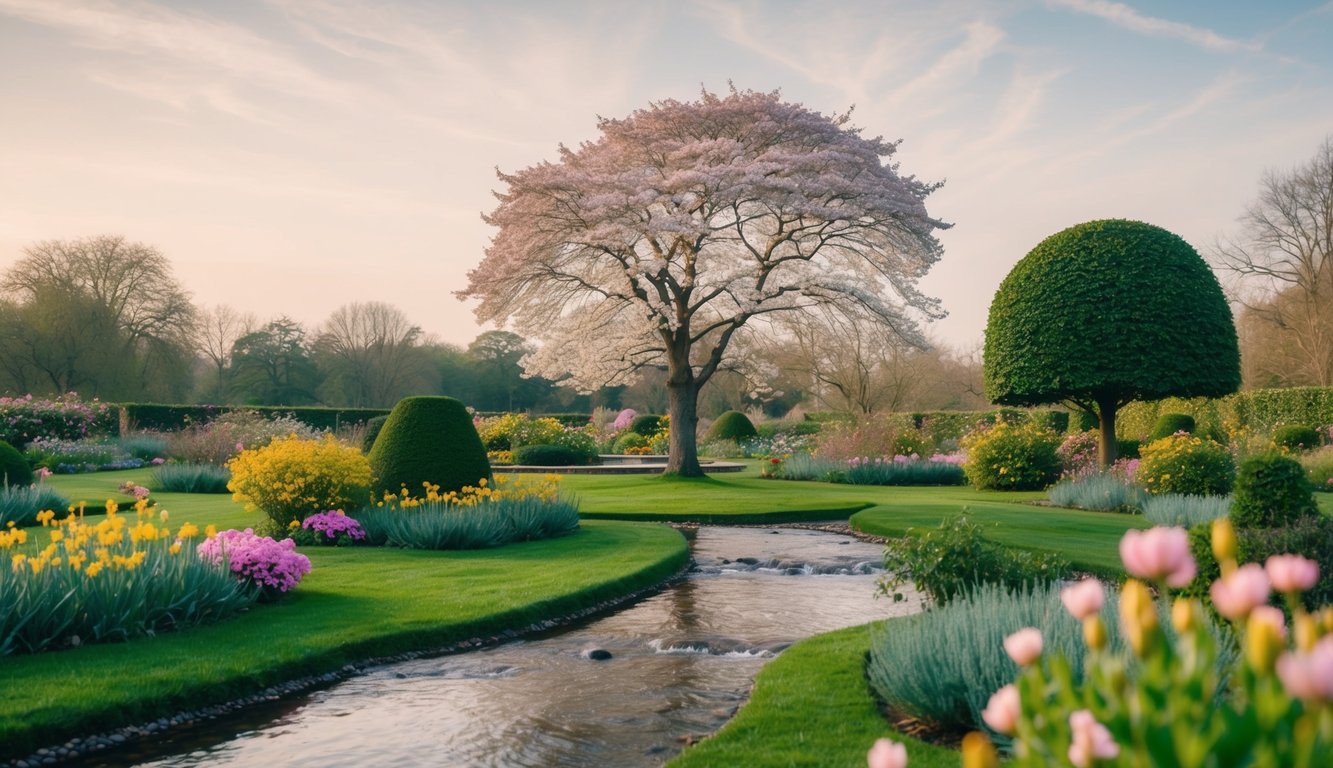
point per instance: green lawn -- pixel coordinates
(357, 603)
(811, 706)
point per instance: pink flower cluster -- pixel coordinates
(941, 458)
(267, 563)
(334, 524)
(624, 419)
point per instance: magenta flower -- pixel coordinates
(1245, 589)
(886, 754)
(1159, 553)
(335, 524)
(1090, 740)
(1024, 646)
(1083, 599)
(1003, 710)
(1291, 573)
(268, 564)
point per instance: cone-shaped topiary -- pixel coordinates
(14, 469)
(732, 425)
(428, 440)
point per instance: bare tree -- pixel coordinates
(1285, 255)
(372, 352)
(216, 333)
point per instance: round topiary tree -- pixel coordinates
(1170, 423)
(14, 469)
(647, 424)
(1105, 313)
(1271, 491)
(732, 425)
(428, 440)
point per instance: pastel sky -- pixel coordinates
(291, 156)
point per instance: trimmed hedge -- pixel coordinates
(1170, 423)
(373, 427)
(732, 425)
(1257, 410)
(551, 456)
(646, 424)
(169, 418)
(14, 469)
(428, 439)
(1297, 438)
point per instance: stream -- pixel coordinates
(681, 662)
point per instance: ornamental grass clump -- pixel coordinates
(293, 477)
(121, 577)
(191, 478)
(19, 504)
(1099, 492)
(1175, 509)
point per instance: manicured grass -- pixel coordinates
(722, 499)
(811, 706)
(357, 603)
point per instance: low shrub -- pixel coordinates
(373, 427)
(191, 478)
(628, 442)
(14, 469)
(292, 477)
(24, 419)
(1309, 537)
(646, 424)
(1171, 423)
(948, 561)
(732, 425)
(1099, 492)
(19, 504)
(1319, 468)
(943, 665)
(112, 580)
(1178, 510)
(553, 456)
(1187, 465)
(220, 440)
(509, 431)
(913, 442)
(1012, 458)
(71, 456)
(1296, 439)
(1128, 449)
(1078, 453)
(1271, 492)
(331, 528)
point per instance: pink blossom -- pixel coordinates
(1309, 676)
(1246, 588)
(1158, 553)
(1083, 599)
(1291, 573)
(1024, 646)
(886, 754)
(1267, 614)
(1090, 739)
(257, 559)
(1003, 710)
(624, 419)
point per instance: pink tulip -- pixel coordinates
(1267, 614)
(1090, 739)
(1309, 676)
(1245, 589)
(1158, 553)
(1003, 710)
(1024, 646)
(886, 754)
(1291, 573)
(1083, 599)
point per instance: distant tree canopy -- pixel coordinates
(1105, 313)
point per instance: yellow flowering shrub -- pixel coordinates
(1185, 464)
(293, 477)
(1005, 457)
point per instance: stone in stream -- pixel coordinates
(596, 654)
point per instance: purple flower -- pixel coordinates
(269, 564)
(334, 524)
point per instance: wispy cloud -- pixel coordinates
(1124, 16)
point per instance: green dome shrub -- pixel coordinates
(646, 424)
(1296, 438)
(550, 456)
(1012, 458)
(732, 425)
(1186, 464)
(428, 440)
(373, 426)
(1170, 423)
(14, 469)
(1271, 491)
(1310, 537)
(627, 441)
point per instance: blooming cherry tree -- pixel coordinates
(685, 223)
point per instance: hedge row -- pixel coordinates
(166, 418)
(952, 425)
(1257, 411)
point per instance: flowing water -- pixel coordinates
(680, 663)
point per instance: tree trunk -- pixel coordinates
(1106, 408)
(682, 406)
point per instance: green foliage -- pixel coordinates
(732, 425)
(1271, 491)
(428, 440)
(1186, 465)
(1169, 424)
(373, 426)
(14, 469)
(552, 456)
(922, 472)
(1100, 492)
(438, 525)
(946, 562)
(1069, 320)
(169, 418)
(1012, 458)
(646, 424)
(1296, 438)
(1310, 537)
(1180, 510)
(24, 419)
(145, 446)
(1319, 467)
(943, 665)
(773, 429)
(191, 478)
(628, 441)
(19, 504)
(1128, 449)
